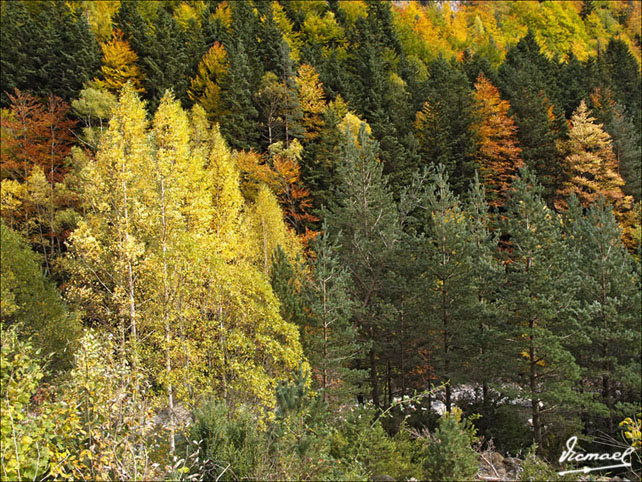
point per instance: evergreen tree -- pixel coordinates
(624, 76)
(160, 44)
(239, 123)
(363, 218)
(444, 124)
(487, 359)
(47, 49)
(448, 292)
(528, 81)
(609, 296)
(330, 336)
(536, 301)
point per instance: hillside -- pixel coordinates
(305, 240)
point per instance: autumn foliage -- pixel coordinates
(499, 154)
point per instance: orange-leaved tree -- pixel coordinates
(498, 152)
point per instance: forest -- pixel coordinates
(319, 240)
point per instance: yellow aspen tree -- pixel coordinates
(109, 243)
(171, 162)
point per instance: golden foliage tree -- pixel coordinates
(119, 65)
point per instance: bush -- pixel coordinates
(363, 449)
(449, 454)
(24, 434)
(233, 443)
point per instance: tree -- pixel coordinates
(485, 273)
(240, 118)
(528, 81)
(500, 156)
(293, 195)
(363, 196)
(37, 139)
(626, 140)
(609, 306)
(536, 300)
(119, 65)
(443, 127)
(109, 243)
(47, 48)
(32, 304)
(205, 88)
(311, 99)
(448, 291)
(623, 72)
(330, 337)
(593, 168)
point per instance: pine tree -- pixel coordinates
(330, 338)
(364, 220)
(486, 359)
(448, 291)
(536, 301)
(609, 296)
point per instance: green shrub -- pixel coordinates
(449, 454)
(232, 443)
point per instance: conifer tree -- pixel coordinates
(485, 274)
(240, 119)
(536, 300)
(47, 48)
(449, 295)
(624, 75)
(364, 220)
(609, 297)
(528, 81)
(330, 338)
(443, 127)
